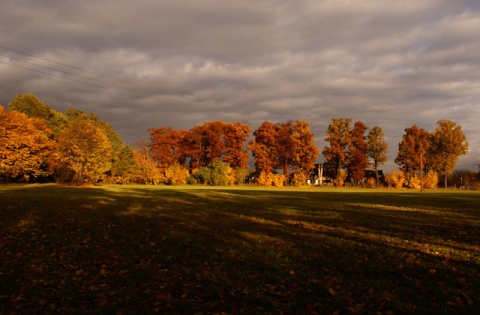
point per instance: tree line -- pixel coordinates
(39, 144)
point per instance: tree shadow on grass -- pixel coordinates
(187, 250)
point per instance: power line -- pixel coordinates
(51, 74)
(66, 65)
(66, 72)
(134, 88)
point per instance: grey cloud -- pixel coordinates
(181, 63)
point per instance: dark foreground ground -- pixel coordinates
(198, 250)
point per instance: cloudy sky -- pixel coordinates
(151, 63)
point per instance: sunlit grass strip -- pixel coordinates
(447, 250)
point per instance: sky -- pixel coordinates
(150, 63)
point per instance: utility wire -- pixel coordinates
(65, 65)
(66, 72)
(51, 74)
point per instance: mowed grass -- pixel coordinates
(194, 250)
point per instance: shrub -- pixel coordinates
(270, 179)
(240, 175)
(278, 180)
(176, 175)
(299, 179)
(414, 181)
(371, 183)
(341, 177)
(430, 180)
(396, 179)
(215, 174)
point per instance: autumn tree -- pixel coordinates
(33, 107)
(124, 165)
(122, 158)
(148, 171)
(412, 150)
(288, 146)
(166, 146)
(285, 146)
(84, 153)
(357, 152)
(264, 147)
(25, 144)
(234, 138)
(338, 136)
(377, 149)
(304, 151)
(217, 141)
(447, 143)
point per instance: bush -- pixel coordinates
(299, 179)
(396, 179)
(371, 183)
(215, 174)
(341, 177)
(176, 175)
(414, 181)
(430, 180)
(270, 179)
(240, 175)
(278, 180)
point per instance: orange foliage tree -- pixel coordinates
(201, 145)
(412, 149)
(166, 146)
(358, 153)
(288, 146)
(25, 144)
(264, 147)
(338, 136)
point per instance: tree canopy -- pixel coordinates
(447, 143)
(38, 143)
(25, 145)
(377, 148)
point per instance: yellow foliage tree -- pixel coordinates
(83, 153)
(25, 144)
(148, 171)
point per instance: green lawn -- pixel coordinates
(141, 250)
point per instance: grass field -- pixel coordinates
(187, 250)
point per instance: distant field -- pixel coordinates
(140, 249)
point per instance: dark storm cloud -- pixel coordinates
(181, 63)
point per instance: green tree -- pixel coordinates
(447, 143)
(25, 146)
(377, 148)
(33, 107)
(84, 153)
